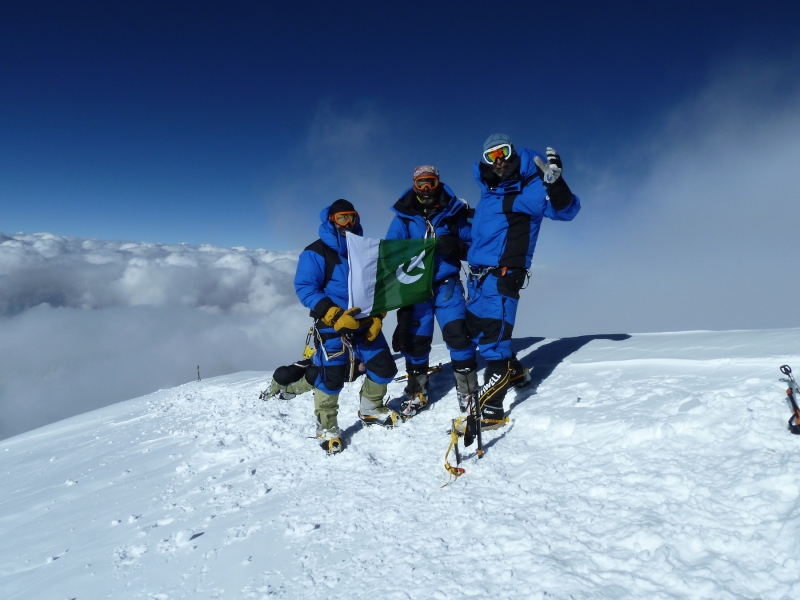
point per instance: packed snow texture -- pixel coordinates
(84, 323)
(651, 466)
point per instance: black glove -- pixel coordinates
(554, 160)
(448, 246)
(558, 191)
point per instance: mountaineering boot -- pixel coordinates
(497, 378)
(275, 389)
(492, 417)
(415, 396)
(287, 392)
(466, 385)
(520, 376)
(373, 412)
(333, 445)
(329, 440)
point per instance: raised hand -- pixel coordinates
(551, 170)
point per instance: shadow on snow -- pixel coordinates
(544, 360)
(541, 362)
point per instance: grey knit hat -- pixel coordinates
(495, 140)
(423, 169)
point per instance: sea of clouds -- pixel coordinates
(85, 323)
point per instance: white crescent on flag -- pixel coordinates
(403, 276)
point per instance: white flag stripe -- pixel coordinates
(362, 255)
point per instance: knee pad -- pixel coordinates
(333, 377)
(454, 334)
(311, 374)
(288, 374)
(419, 345)
(382, 365)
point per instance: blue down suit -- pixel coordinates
(320, 283)
(504, 233)
(448, 217)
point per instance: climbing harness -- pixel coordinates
(347, 347)
(477, 275)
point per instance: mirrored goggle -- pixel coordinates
(426, 182)
(503, 151)
(349, 217)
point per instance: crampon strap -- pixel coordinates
(455, 472)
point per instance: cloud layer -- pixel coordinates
(84, 323)
(692, 225)
(77, 273)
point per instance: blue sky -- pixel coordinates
(234, 123)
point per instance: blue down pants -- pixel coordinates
(491, 311)
(334, 369)
(414, 333)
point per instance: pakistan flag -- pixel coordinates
(388, 274)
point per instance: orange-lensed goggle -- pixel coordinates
(345, 218)
(426, 182)
(503, 151)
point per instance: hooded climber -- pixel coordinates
(429, 209)
(321, 285)
(518, 189)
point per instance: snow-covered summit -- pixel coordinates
(645, 466)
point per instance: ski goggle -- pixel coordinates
(345, 218)
(503, 151)
(426, 182)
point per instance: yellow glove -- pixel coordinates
(341, 320)
(375, 327)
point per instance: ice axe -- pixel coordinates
(793, 389)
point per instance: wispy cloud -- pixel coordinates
(693, 224)
(348, 152)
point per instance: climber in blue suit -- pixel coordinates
(429, 209)
(519, 188)
(341, 340)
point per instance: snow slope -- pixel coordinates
(649, 466)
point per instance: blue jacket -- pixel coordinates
(507, 219)
(409, 223)
(322, 270)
